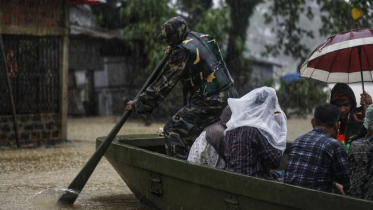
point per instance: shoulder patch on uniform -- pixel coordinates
(210, 77)
(197, 58)
(203, 35)
(186, 41)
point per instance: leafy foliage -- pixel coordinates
(335, 15)
(238, 66)
(286, 15)
(194, 9)
(339, 18)
(143, 20)
(300, 97)
(107, 16)
(214, 22)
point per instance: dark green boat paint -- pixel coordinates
(167, 183)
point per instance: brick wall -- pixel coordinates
(35, 129)
(41, 13)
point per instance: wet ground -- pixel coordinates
(30, 178)
(34, 178)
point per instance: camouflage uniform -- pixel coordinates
(197, 62)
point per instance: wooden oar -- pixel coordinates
(81, 179)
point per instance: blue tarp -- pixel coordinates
(292, 77)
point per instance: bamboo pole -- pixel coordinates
(15, 122)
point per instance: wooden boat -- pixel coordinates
(167, 183)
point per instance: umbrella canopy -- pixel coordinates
(89, 2)
(338, 59)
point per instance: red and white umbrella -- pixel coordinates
(88, 2)
(343, 58)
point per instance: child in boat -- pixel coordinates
(317, 160)
(255, 137)
(360, 155)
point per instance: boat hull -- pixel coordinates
(163, 182)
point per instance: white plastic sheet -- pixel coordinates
(260, 109)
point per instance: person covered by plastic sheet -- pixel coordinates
(255, 138)
(350, 129)
(196, 62)
(360, 160)
(317, 160)
(207, 149)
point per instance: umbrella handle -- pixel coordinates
(364, 111)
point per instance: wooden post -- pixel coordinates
(15, 122)
(64, 71)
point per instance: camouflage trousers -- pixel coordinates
(185, 126)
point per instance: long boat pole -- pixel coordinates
(81, 179)
(15, 122)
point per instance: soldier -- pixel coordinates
(207, 84)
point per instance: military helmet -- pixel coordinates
(174, 29)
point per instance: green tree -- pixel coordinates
(143, 20)
(240, 12)
(194, 9)
(335, 15)
(300, 97)
(107, 16)
(212, 21)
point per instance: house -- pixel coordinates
(264, 72)
(100, 65)
(35, 37)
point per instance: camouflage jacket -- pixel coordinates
(198, 63)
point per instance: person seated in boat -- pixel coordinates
(317, 160)
(207, 149)
(196, 61)
(255, 138)
(360, 155)
(351, 127)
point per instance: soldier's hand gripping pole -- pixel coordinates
(81, 179)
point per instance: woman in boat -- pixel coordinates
(207, 148)
(255, 137)
(360, 158)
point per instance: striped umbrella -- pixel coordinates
(88, 2)
(343, 58)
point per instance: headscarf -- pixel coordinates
(215, 132)
(257, 109)
(368, 122)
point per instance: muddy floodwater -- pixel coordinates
(35, 178)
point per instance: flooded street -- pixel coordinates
(26, 172)
(34, 178)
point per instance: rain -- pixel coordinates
(69, 68)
